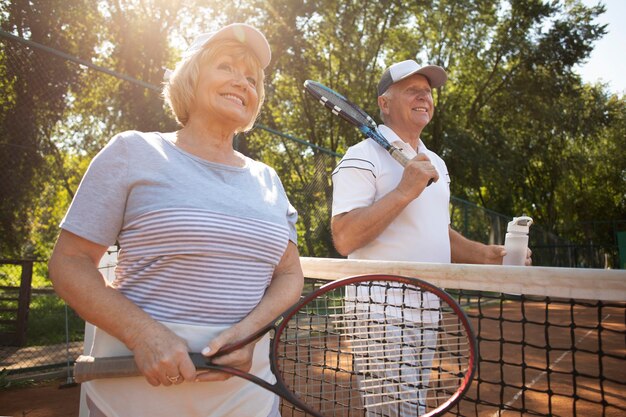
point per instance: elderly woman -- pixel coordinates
(208, 244)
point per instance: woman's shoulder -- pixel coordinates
(133, 137)
(134, 140)
(258, 166)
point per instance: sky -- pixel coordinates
(607, 62)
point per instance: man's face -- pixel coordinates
(408, 103)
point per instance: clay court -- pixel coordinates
(554, 359)
(41, 399)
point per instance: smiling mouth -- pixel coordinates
(235, 99)
(421, 109)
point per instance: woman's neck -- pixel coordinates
(213, 143)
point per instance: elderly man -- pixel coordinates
(383, 211)
(386, 212)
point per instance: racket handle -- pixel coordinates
(399, 156)
(87, 368)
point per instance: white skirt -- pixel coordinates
(135, 397)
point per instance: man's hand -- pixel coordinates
(527, 262)
(416, 176)
(494, 254)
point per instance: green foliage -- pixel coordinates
(46, 322)
(34, 99)
(54, 111)
(138, 35)
(10, 275)
(338, 44)
(47, 314)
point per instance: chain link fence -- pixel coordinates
(39, 333)
(46, 137)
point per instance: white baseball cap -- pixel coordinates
(435, 74)
(241, 32)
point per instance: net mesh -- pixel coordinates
(538, 354)
(546, 356)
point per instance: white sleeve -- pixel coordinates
(291, 214)
(97, 210)
(354, 181)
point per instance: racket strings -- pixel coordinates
(346, 353)
(339, 105)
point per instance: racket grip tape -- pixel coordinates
(87, 368)
(399, 156)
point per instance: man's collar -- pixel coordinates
(396, 140)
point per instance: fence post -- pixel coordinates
(23, 304)
(621, 248)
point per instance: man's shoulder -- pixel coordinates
(363, 156)
(366, 148)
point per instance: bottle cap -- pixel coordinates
(519, 224)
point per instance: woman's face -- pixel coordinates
(227, 91)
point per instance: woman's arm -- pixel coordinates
(283, 292)
(73, 269)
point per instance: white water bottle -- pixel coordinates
(516, 241)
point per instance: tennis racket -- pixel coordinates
(353, 114)
(378, 343)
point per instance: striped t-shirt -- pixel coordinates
(199, 240)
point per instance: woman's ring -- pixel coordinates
(173, 378)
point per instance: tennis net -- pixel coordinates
(551, 341)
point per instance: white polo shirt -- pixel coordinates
(420, 233)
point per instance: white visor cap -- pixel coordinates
(241, 32)
(435, 74)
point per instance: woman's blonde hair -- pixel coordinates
(179, 92)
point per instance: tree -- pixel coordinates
(511, 113)
(34, 91)
(338, 44)
(519, 130)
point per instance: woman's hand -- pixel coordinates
(162, 356)
(239, 359)
(283, 291)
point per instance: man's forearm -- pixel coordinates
(466, 251)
